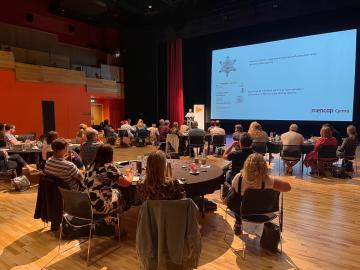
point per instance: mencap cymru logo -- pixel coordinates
(227, 66)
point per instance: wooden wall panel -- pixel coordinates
(101, 86)
(7, 60)
(27, 72)
(60, 75)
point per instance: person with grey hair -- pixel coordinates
(291, 138)
(89, 148)
(195, 131)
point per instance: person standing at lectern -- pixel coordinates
(190, 118)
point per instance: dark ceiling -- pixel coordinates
(188, 16)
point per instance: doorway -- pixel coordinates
(96, 114)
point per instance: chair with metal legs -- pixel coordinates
(78, 213)
(259, 206)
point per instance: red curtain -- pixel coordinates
(175, 100)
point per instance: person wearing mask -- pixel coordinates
(255, 175)
(105, 182)
(89, 149)
(58, 165)
(289, 139)
(156, 186)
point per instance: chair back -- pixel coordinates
(173, 140)
(327, 151)
(196, 141)
(291, 151)
(170, 229)
(123, 133)
(259, 147)
(259, 202)
(76, 203)
(218, 140)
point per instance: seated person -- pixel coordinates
(61, 168)
(46, 150)
(291, 138)
(183, 129)
(109, 132)
(155, 186)
(212, 125)
(80, 135)
(238, 132)
(255, 174)
(164, 130)
(238, 157)
(217, 130)
(14, 161)
(130, 130)
(256, 133)
(326, 139)
(10, 138)
(175, 128)
(335, 133)
(89, 148)
(141, 129)
(104, 182)
(348, 147)
(195, 131)
(154, 134)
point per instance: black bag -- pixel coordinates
(340, 172)
(270, 237)
(233, 198)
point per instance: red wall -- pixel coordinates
(21, 104)
(14, 12)
(113, 110)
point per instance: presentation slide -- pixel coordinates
(308, 78)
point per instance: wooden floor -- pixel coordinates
(321, 231)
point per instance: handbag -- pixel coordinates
(270, 237)
(233, 198)
(20, 183)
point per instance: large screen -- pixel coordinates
(308, 78)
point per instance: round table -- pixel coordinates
(208, 180)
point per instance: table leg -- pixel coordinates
(203, 205)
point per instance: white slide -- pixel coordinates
(308, 78)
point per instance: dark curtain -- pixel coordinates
(175, 98)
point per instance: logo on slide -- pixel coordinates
(227, 66)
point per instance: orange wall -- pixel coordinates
(21, 104)
(113, 110)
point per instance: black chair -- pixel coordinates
(327, 156)
(122, 133)
(261, 206)
(291, 153)
(259, 147)
(142, 137)
(218, 141)
(78, 213)
(349, 155)
(196, 142)
(273, 148)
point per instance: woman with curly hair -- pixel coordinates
(255, 174)
(256, 132)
